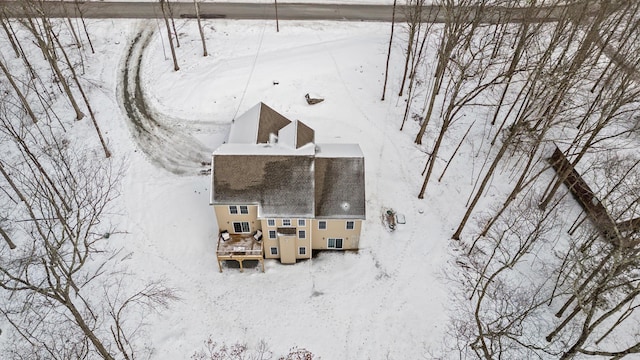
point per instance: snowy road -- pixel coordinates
(288, 11)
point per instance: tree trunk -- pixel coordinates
(204, 43)
(386, 68)
(23, 100)
(107, 153)
(14, 46)
(46, 50)
(166, 22)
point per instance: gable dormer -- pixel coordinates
(257, 125)
(296, 135)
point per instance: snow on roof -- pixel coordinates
(292, 177)
(263, 149)
(256, 125)
(296, 134)
(244, 130)
(338, 150)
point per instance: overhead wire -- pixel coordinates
(253, 66)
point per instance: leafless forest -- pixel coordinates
(552, 271)
(61, 282)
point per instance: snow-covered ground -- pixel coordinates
(388, 298)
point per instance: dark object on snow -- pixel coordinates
(313, 100)
(390, 219)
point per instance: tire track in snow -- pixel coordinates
(166, 145)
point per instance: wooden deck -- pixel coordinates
(239, 248)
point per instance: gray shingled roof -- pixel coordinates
(283, 185)
(256, 124)
(322, 181)
(270, 122)
(339, 188)
(304, 134)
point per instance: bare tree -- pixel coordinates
(467, 80)
(204, 43)
(166, 22)
(75, 78)
(386, 68)
(239, 351)
(84, 25)
(455, 27)
(12, 41)
(54, 206)
(504, 315)
(414, 22)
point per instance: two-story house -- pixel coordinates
(278, 194)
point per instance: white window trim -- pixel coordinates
(240, 209)
(334, 242)
(270, 222)
(302, 222)
(302, 231)
(346, 225)
(235, 207)
(325, 224)
(300, 250)
(283, 225)
(271, 250)
(275, 234)
(241, 222)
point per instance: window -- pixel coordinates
(302, 222)
(334, 243)
(272, 234)
(302, 250)
(241, 227)
(302, 234)
(233, 209)
(322, 225)
(274, 251)
(244, 209)
(271, 222)
(350, 225)
(286, 222)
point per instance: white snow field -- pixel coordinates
(387, 299)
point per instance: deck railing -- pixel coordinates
(240, 252)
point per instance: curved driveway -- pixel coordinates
(169, 146)
(164, 144)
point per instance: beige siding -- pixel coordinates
(315, 239)
(288, 249)
(336, 229)
(299, 242)
(270, 242)
(226, 219)
(303, 242)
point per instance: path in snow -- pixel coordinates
(164, 142)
